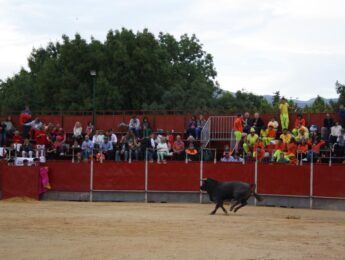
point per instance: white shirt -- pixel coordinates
(336, 130)
(162, 147)
(113, 138)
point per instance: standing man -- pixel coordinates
(284, 113)
(238, 130)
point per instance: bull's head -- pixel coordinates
(208, 184)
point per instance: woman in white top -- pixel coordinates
(78, 132)
(162, 151)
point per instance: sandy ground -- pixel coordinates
(82, 230)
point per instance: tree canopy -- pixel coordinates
(135, 71)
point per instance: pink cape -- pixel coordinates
(44, 183)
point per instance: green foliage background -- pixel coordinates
(135, 71)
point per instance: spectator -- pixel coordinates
(25, 117)
(192, 124)
(302, 150)
(76, 151)
(162, 151)
(303, 134)
(9, 127)
(41, 142)
(299, 122)
(335, 132)
(107, 148)
(259, 149)
(34, 126)
(282, 158)
(250, 140)
(200, 123)
(149, 146)
(238, 131)
(134, 125)
(327, 124)
(98, 139)
(178, 148)
(77, 132)
(170, 140)
(284, 113)
(123, 148)
(268, 135)
(146, 127)
(291, 150)
(27, 149)
(315, 150)
(258, 123)
(227, 157)
(133, 145)
(90, 129)
(247, 123)
(17, 141)
(192, 153)
(112, 138)
(339, 146)
(59, 143)
(2, 134)
(342, 115)
(274, 123)
(286, 136)
(86, 148)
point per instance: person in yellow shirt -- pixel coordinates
(250, 141)
(284, 113)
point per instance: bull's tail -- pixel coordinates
(257, 196)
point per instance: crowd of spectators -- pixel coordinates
(275, 142)
(271, 142)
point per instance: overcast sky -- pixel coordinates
(296, 47)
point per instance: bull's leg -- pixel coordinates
(224, 209)
(215, 209)
(234, 205)
(240, 206)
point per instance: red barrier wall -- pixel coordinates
(229, 172)
(67, 176)
(283, 179)
(20, 182)
(329, 181)
(174, 176)
(119, 176)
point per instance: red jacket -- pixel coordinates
(41, 137)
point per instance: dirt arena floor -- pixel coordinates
(82, 230)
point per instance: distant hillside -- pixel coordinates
(301, 103)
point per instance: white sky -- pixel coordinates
(294, 46)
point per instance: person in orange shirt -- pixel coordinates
(238, 131)
(291, 149)
(302, 150)
(259, 149)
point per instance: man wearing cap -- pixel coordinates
(250, 141)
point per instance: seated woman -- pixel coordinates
(146, 127)
(162, 151)
(192, 153)
(77, 132)
(178, 148)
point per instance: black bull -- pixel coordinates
(236, 192)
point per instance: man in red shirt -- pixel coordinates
(41, 142)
